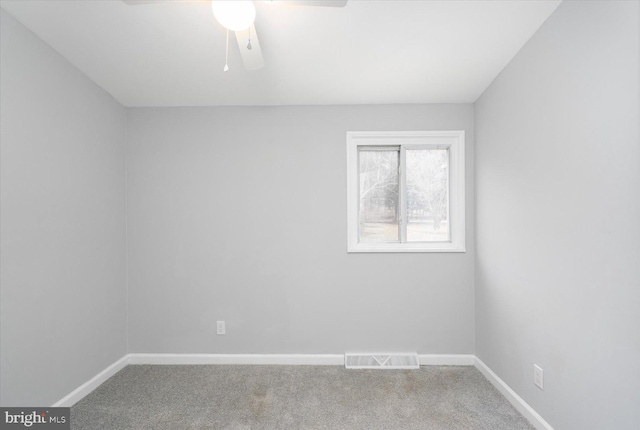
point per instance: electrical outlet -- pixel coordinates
(538, 376)
(220, 327)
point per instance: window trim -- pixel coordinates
(452, 139)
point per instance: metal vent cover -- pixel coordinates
(404, 360)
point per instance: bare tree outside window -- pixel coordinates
(427, 195)
(379, 211)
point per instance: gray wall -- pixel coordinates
(62, 222)
(558, 211)
(239, 214)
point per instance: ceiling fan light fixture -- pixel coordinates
(235, 15)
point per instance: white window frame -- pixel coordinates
(453, 140)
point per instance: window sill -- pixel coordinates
(405, 247)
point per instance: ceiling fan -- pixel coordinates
(238, 16)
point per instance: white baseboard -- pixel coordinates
(93, 383)
(521, 406)
(286, 359)
(446, 359)
(263, 359)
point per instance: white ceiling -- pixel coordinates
(367, 52)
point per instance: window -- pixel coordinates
(405, 191)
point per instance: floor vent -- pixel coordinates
(381, 361)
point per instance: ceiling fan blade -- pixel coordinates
(252, 58)
(322, 3)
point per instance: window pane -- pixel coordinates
(427, 195)
(378, 212)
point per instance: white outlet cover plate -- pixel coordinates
(538, 376)
(220, 327)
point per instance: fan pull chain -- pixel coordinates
(249, 44)
(226, 55)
